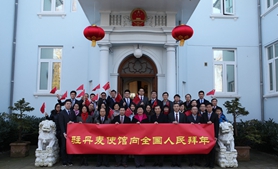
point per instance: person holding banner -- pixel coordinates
(84, 118)
(158, 118)
(176, 117)
(211, 118)
(194, 119)
(139, 118)
(67, 116)
(121, 119)
(102, 159)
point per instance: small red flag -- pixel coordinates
(136, 99)
(211, 92)
(128, 112)
(53, 91)
(118, 98)
(42, 109)
(95, 98)
(97, 87)
(81, 87)
(64, 96)
(111, 112)
(106, 86)
(154, 104)
(81, 94)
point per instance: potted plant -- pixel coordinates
(235, 108)
(20, 148)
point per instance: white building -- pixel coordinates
(234, 50)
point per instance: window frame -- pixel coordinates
(224, 76)
(271, 4)
(52, 7)
(274, 71)
(50, 68)
(223, 9)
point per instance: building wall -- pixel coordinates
(269, 36)
(6, 34)
(35, 31)
(239, 32)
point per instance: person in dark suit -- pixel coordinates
(121, 119)
(102, 100)
(187, 102)
(202, 109)
(72, 99)
(214, 104)
(177, 99)
(143, 99)
(194, 119)
(112, 99)
(139, 118)
(127, 100)
(154, 101)
(167, 102)
(211, 118)
(157, 118)
(66, 116)
(102, 159)
(176, 117)
(84, 118)
(201, 98)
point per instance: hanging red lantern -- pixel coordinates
(94, 33)
(182, 33)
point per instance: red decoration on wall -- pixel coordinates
(182, 33)
(138, 17)
(94, 33)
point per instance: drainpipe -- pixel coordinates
(261, 60)
(13, 53)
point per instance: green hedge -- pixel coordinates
(259, 135)
(9, 134)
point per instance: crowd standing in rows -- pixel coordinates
(153, 110)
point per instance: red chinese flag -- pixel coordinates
(95, 98)
(136, 99)
(128, 112)
(97, 87)
(118, 98)
(65, 95)
(211, 92)
(106, 86)
(81, 87)
(42, 109)
(154, 104)
(81, 94)
(111, 112)
(53, 91)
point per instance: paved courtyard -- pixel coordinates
(258, 160)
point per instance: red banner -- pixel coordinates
(140, 139)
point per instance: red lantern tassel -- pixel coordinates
(93, 43)
(181, 42)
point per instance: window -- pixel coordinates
(50, 59)
(270, 3)
(53, 5)
(272, 57)
(74, 5)
(223, 7)
(224, 70)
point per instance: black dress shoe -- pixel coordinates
(160, 165)
(173, 165)
(65, 164)
(142, 165)
(190, 164)
(155, 164)
(211, 167)
(124, 165)
(70, 164)
(197, 164)
(138, 166)
(98, 165)
(206, 165)
(178, 165)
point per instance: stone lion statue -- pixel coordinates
(48, 149)
(226, 153)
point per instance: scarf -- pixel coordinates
(84, 116)
(144, 116)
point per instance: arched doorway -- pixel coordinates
(136, 73)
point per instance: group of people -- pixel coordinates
(153, 110)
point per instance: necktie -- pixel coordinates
(127, 102)
(68, 112)
(194, 118)
(177, 119)
(209, 114)
(152, 101)
(72, 102)
(122, 119)
(141, 98)
(102, 119)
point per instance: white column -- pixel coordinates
(103, 65)
(171, 71)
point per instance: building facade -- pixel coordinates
(233, 50)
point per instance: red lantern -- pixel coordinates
(182, 33)
(94, 33)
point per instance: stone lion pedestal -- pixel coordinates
(47, 153)
(226, 154)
